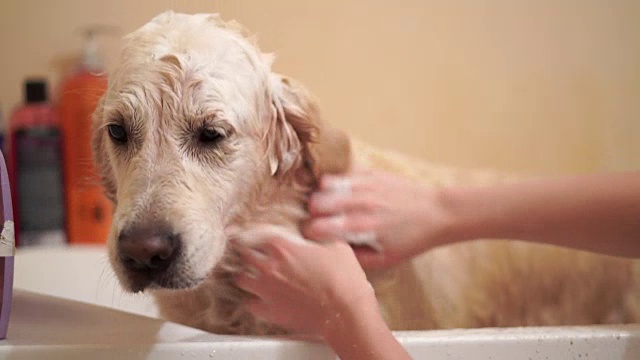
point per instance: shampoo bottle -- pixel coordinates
(7, 249)
(36, 169)
(88, 210)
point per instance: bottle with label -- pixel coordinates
(36, 169)
(7, 250)
(88, 211)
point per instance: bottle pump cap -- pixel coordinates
(91, 59)
(35, 90)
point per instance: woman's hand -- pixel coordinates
(301, 285)
(317, 289)
(400, 217)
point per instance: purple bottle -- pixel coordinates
(7, 249)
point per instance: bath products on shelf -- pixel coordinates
(36, 169)
(88, 210)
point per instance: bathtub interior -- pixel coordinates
(82, 273)
(79, 273)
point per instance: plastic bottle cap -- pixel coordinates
(35, 90)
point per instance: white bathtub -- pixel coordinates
(78, 273)
(82, 274)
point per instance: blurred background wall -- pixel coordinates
(537, 86)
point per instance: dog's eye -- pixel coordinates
(209, 136)
(118, 134)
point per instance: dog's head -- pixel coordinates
(193, 126)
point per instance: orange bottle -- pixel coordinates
(88, 211)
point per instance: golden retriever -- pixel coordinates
(197, 138)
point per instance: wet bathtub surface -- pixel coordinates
(72, 308)
(43, 326)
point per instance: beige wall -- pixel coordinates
(530, 85)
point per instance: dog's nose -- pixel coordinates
(148, 248)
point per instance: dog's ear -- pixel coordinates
(100, 157)
(299, 136)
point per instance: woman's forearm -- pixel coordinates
(597, 213)
(360, 332)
